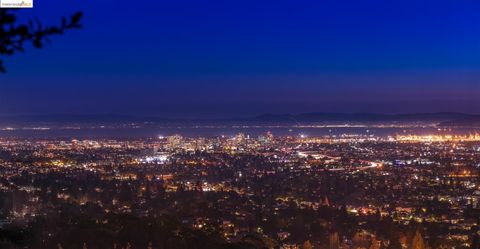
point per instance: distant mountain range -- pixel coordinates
(442, 118)
(365, 117)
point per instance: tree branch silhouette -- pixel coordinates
(14, 36)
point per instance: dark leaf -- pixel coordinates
(76, 17)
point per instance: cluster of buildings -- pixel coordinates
(290, 192)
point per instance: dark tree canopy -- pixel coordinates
(14, 35)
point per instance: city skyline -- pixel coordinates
(228, 124)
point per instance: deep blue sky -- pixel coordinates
(237, 58)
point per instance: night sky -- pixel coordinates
(234, 58)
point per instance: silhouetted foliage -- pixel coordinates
(14, 36)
